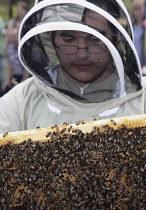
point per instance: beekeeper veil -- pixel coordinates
(37, 48)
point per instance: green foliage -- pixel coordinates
(128, 4)
(4, 11)
(6, 4)
(9, 5)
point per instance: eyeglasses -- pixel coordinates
(72, 49)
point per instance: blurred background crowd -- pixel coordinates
(11, 15)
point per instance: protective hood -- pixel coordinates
(51, 48)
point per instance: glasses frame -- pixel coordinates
(78, 48)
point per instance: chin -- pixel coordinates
(85, 81)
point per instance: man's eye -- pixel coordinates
(94, 39)
(68, 40)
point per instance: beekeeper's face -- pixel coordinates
(84, 58)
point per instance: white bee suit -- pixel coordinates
(48, 98)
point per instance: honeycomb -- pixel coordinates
(101, 169)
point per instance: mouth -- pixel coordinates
(82, 66)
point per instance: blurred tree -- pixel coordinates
(7, 8)
(128, 4)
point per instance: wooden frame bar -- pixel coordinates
(41, 134)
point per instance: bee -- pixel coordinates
(65, 123)
(75, 130)
(5, 134)
(63, 130)
(70, 128)
(37, 127)
(78, 123)
(112, 121)
(48, 134)
(104, 126)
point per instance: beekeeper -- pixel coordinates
(83, 62)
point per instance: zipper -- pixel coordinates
(82, 89)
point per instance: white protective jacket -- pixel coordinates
(48, 98)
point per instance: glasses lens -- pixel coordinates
(92, 49)
(68, 49)
(96, 48)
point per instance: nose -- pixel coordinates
(83, 53)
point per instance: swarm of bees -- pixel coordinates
(76, 170)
